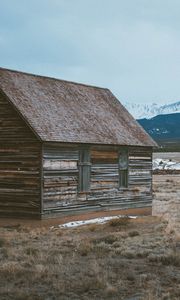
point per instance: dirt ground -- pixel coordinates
(46, 223)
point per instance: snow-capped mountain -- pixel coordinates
(160, 121)
(141, 111)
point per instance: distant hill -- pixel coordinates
(165, 129)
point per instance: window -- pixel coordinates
(123, 168)
(84, 170)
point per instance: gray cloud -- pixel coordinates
(131, 47)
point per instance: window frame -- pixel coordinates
(123, 167)
(84, 166)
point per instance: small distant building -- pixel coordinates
(67, 147)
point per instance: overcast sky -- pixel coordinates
(129, 46)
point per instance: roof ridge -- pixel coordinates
(54, 78)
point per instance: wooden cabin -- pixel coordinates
(67, 147)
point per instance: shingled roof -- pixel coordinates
(64, 111)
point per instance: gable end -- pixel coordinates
(10, 114)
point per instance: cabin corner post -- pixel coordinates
(152, 171)
(41, 180)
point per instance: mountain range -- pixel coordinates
(141, 111)
(162, 122)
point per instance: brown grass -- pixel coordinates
(91, 262)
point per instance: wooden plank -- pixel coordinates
(19, 164)
(57, 164)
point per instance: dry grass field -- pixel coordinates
(123, 259)
(129, 259)
(166, 187)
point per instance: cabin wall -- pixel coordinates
(20, 165)
(105, 179)
(61, 174)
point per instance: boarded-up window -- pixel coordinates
(84, 170)
(104, 170)
(104, 157)
(123, 168)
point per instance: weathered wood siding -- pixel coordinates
(20, 165)
(61, 175)
(106, 192)
(104, 176)
(140, 169)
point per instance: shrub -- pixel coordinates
(3, 253)
(2, 242)
(93, 227)
(101, 249)
(133, 233)
(110, 290)
(31, 251)
(107, 239)
(169, 259)
(84, 248)
(121, 221)
(130, 276)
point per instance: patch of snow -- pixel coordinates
(165, 131)
(101, 220)
(165, 164)
(175, 166)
